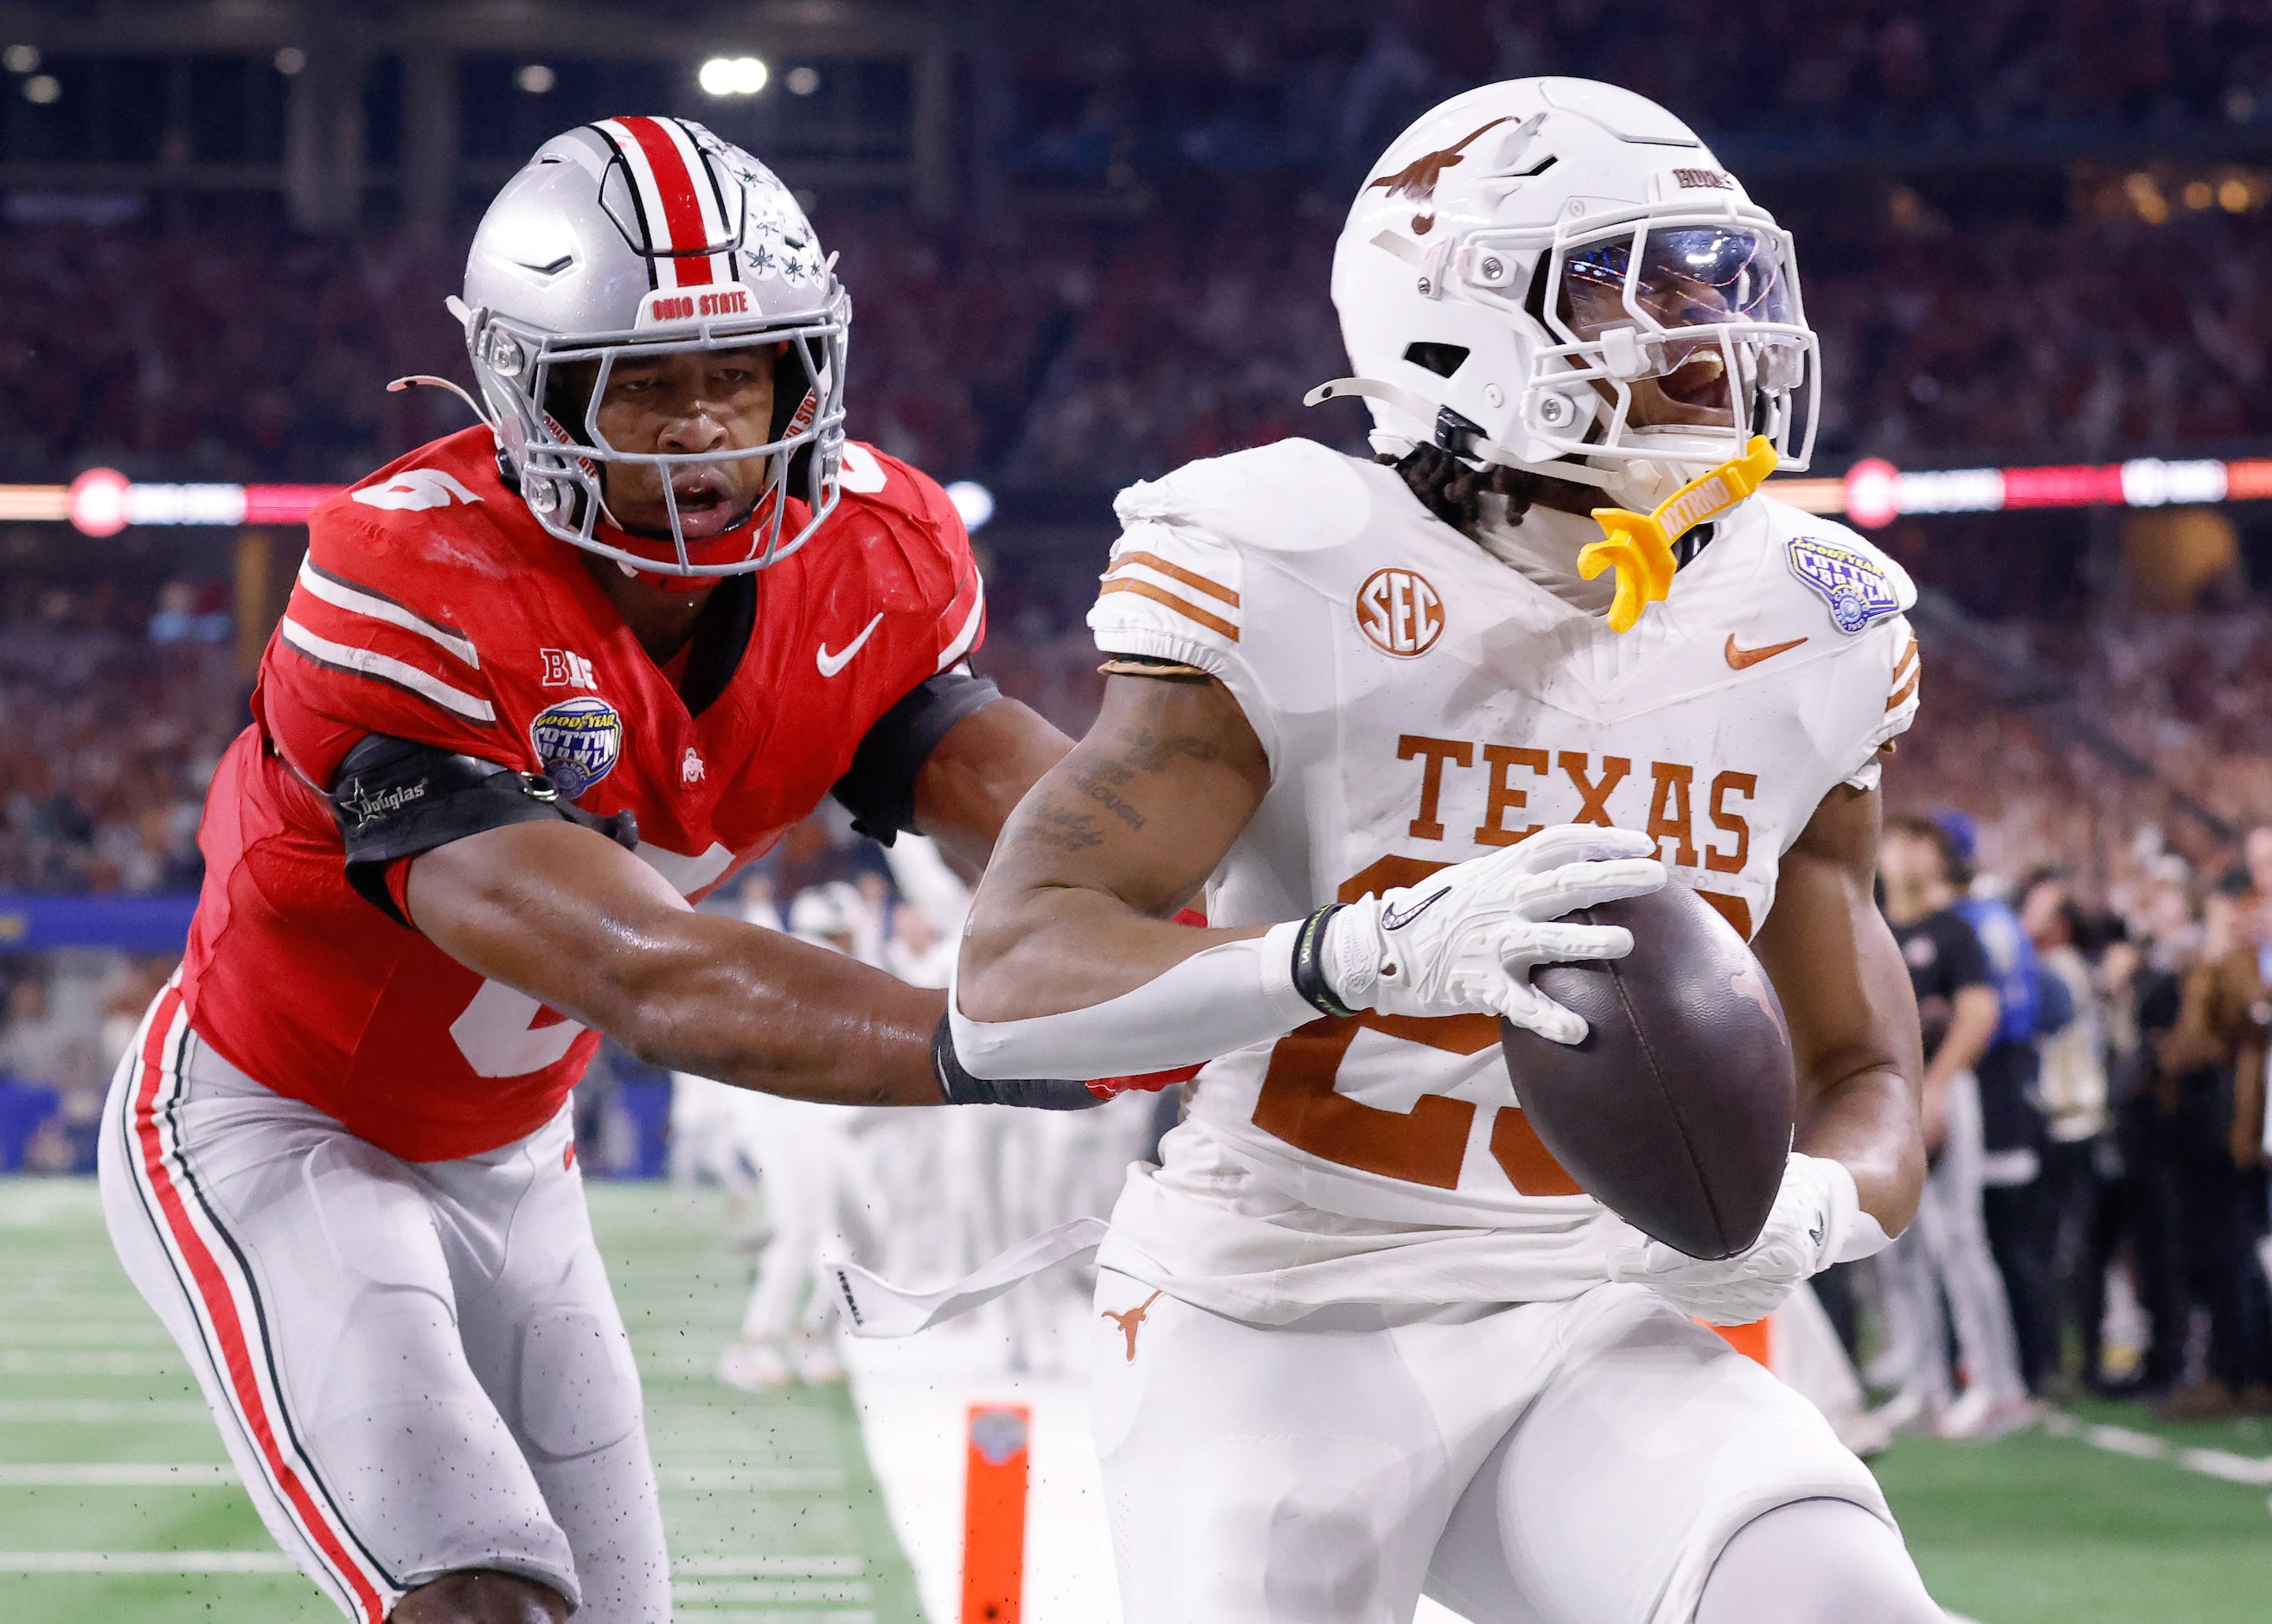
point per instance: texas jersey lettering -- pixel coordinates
(431, 608)
(1422, 704)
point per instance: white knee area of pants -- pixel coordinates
(1816, 1561)
(579, 1390)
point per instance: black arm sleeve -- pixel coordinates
(878, 789)
(394, 798)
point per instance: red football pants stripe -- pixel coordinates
(682, 211)
(221, 1308)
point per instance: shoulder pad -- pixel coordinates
(1854, 583)
(1293, 496)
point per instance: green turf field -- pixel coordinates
(773, 1514)
(109, 1465)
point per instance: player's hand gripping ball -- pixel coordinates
(1465, 940)
(1816, 1214)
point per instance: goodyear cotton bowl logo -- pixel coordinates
(1856, 588)
(578, 741)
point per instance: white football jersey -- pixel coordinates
(1421, 702)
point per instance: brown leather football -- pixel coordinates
(1676, 1111)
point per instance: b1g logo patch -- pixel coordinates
(1856, 589)
(579, 740)
(1399, 613)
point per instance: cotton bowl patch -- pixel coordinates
(1850, 583)
(578, 741)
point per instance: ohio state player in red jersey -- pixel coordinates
(539, 684)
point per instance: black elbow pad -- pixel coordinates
(394, 798)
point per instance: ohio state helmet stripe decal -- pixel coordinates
(661, 158)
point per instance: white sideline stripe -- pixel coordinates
(119, 1474)
(146, 1561)
(341, 596)
(2251, 1470)
(139, 1332)
(410, 676)
(101, 1411)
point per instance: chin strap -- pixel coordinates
(1639, 546)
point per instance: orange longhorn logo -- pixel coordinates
(1417, 179)
(1131, 1320)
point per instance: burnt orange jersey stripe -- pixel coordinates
(1903, 663)
(1906, 689)
(1174, 572)
(1162, 595)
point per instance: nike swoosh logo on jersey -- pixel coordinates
(1391, 919)
(830, 664)
(1738, 659)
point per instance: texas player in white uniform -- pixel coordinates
(1360, 1336)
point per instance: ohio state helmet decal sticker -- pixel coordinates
(1856, 589)
(578, 741)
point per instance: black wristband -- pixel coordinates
(1308, 963)
(1034, 1094)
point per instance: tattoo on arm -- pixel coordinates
(1148, 752)
(1064, 830)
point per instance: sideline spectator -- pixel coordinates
(2020, 1224)
(2217, 1034)
(2077, 1153)
(1946, 1250)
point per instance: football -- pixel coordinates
(1676, 1110)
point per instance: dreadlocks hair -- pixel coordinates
(1453, 492)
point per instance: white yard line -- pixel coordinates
(102, 1412)
(119, 1474)
(770, 1567)
(90, 1362)
(2251, 1470)
(144, 1561)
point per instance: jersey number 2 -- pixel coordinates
(505, 1033)
(1426, 1145)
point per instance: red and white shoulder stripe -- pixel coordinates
(690, 234)
(964, 623)
(345, 626)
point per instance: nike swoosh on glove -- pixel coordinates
(1817, 1221)
(1465, 940)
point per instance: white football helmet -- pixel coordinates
(642, 236)
(1556, 274)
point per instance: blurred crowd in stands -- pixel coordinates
(1060, 355)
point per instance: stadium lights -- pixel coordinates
(731, 76)
(21, 58)
(536, 79)
(1874, 493)
(974, 501)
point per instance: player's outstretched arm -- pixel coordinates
(1074, 908)
(1069, 967)
(1853, 1018)
(565, 915)
(975, 778)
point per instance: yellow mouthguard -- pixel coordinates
(1639, 546)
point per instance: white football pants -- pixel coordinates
(1573, 1463)
(417, 1366)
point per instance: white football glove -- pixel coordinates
(1465, 940)
(1817, 1221)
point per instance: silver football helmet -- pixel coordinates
(643, 236)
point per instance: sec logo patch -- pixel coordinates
(579, 740)
(1399, 613)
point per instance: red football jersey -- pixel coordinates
(431, 608)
